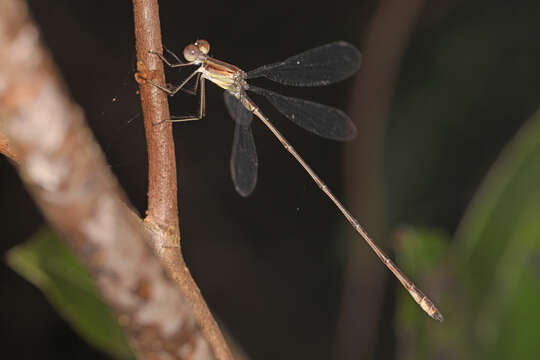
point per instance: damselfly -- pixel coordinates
(320, 66)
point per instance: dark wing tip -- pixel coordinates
(244, 163)
(351, 133)
(244, 186)
(346, 57)
(244, 192)
(356, 56)
(347, 130)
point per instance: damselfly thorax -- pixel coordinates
(224, 75)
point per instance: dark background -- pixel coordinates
(271, 266)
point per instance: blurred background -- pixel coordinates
(444, 174)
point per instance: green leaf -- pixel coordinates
(49, 264)
(490, 301)
(420, 252)
(507, 196)
(420, 249)
(498, 241)
(464, 85)
(477, 69)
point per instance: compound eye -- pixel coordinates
(191, 52)
(203, 46)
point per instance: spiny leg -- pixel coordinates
(194, 90)
(202, 109)
(202, 101)
(176, 89)
(179, 64)
(173, 55)
(202, 106)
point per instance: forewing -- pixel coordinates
(244, 154)
(322, 120)
(322, 65)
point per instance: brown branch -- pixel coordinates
(162, 192)
(7, 149)
(67, 175)
(391, 26)
(162, 215)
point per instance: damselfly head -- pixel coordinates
(191, 52)
(196, 51)
(203, 46)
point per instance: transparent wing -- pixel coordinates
(322, 65)
(244, 154)
(244, 160)
(237, 111)
(322, 120)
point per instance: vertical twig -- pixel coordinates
(162, 191)
(162, 215)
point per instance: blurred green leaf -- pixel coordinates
(419, 250)
(498, 239)
(466, 85)
(49, 264)
(493, 311)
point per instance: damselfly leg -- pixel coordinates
(202, 103)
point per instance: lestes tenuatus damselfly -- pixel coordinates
(320, 66)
